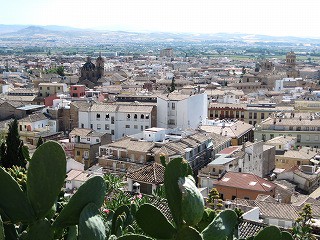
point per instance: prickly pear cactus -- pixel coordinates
(192, 201)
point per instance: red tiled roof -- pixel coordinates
(153, 173)
(245, 181)
(229, 150)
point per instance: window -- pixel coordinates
(290, 128)
(91, 126)
(106, 127)
(58, 88)
(298, 163)
(98, 116)
(233, 197)
(173, 106)
(112, 120)
(88, 139)
(279, 146)
(48, 88)
(250, 115)
(107, 116)
(97, 140)
(142, 116)
(82, 125)
(40, 88)
(255, 115)
(128, 117)
(112, 132)
(271, 136)
(98, 126)
(147, 116)
(127, 126)
(147, 127)
(135, 126)
(213, 170)
(78, 153)
(298, 138)
(318, 128)
(237, 114)
(298, 128)
(247, 198)
(262, 115)
(135, 117)
(141, 128)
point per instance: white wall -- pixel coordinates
(188, 113)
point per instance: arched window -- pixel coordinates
(142, 116)
(128, 116)
(135, 116)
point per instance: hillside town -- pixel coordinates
(249, 128)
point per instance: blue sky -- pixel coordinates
(271, 17)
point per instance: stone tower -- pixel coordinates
(291, 59)
(99, 67)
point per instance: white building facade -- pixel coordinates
(118, 120)
(181, 111)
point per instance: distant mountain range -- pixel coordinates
(53, 32)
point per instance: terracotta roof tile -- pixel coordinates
(153, 173)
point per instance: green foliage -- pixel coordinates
(134, 237)
(113, 183)
(12, 151)
(1, 230)
(207, 217)
(175, 169)
(214, 200)
(222, 226)
(39, 230)
(302, 226)
(192, 201)
(40, 142)
(172, 86)
(58, 70)
(29, 215)
(92, 191)
(188, 233)
(91, 225)
(13, 200)
(46, 174)
(20, 175)
(149, 218)
(274, 233)
(160, 192)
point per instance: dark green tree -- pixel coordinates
(40, 142)
(60, 71)
(173, 85)
(11, 153)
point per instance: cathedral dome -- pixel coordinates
(88, 65)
